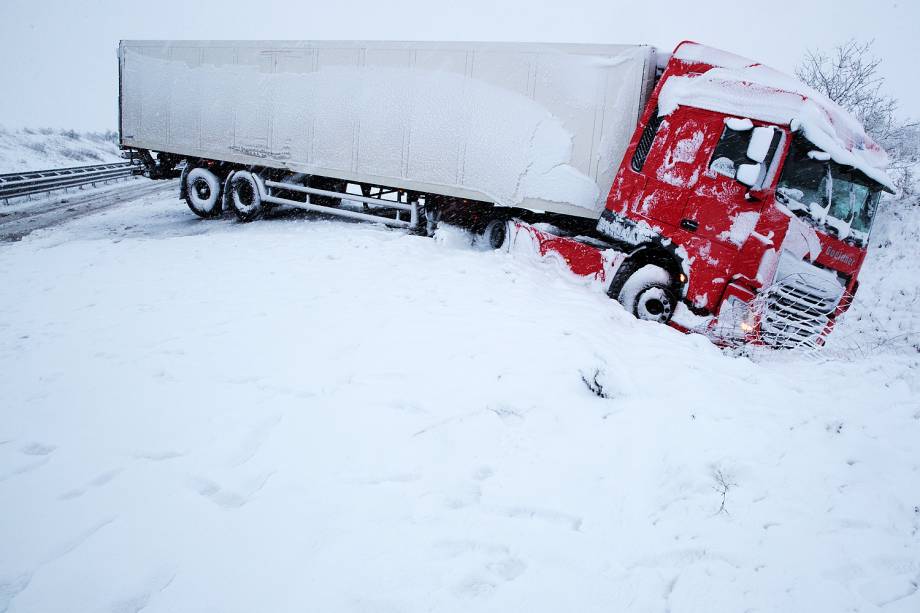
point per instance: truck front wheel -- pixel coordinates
(648, 294)
(202, 193)
(245, 196)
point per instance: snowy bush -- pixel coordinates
(849, 75)
(42, 148)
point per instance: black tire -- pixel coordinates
(495, 234)
(648, 293)
(429, 217)
(244, 195)
(203, 192)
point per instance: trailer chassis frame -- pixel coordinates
(411, 205)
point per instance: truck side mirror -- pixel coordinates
(759, 145)
(749, 174)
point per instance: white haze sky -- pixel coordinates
(58, 67)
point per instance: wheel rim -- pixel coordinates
(244, 194)
(202, 189)
(654, 304)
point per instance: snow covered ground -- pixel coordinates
(313, 415)
(885, 315)
(41, 149)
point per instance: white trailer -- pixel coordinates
(532, 126)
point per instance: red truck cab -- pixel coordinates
(744, 203)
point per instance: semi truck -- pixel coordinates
(697, 188)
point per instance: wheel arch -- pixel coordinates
(654, 254)
(183, 188)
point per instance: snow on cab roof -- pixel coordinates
(738, 86)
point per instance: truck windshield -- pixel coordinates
(839, 197)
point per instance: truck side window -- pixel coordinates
(730, 153)
(646, 140)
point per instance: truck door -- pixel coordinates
(673, 166)
(743, 159)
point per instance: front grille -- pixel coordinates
(797, 309)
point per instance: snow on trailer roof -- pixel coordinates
(738, 86)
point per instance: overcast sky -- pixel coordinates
(58, 67)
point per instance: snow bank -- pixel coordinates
(742, 87)
(325, 416)
(41, 149)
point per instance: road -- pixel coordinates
(19, 220)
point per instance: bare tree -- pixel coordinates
(849, 75)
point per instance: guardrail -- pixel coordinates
(19, 184)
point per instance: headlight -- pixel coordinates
(736, 318)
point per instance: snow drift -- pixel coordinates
(327, 416)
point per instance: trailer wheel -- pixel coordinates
(202, 193)
(430, 216)
(244, 196)
(648, 294)
(494, 234)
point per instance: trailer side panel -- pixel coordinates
(539, 126)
